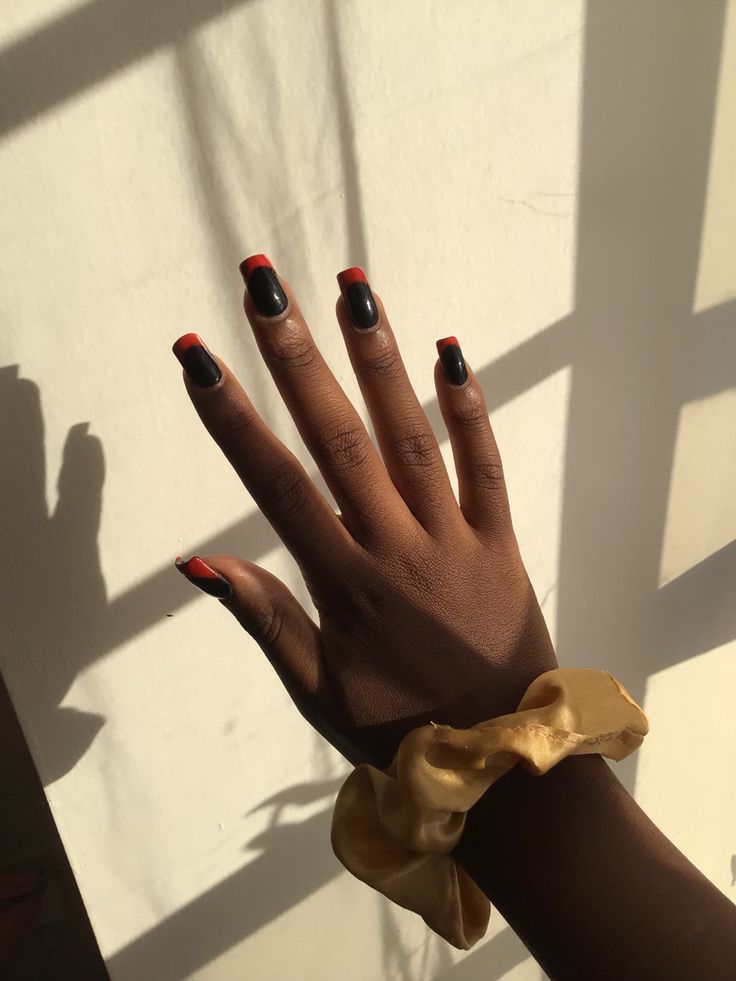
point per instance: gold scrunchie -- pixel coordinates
(394, 829)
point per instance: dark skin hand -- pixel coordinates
(425, 609)
(426, 613)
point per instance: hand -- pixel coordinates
(426, 612)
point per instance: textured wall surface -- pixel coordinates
(553, 183)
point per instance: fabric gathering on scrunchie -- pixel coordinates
(395, 829)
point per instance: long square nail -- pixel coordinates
(452, 360)
(263, 285)
(358, 297)
(196, 360)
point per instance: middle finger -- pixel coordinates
(327, 421)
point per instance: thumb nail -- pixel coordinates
(203, 576)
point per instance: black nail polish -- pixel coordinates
(358, 297)
(452, 360)
(263, 285)
(197, 361)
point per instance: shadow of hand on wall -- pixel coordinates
(298, 794)
(295, 860)
(636, 352)
(54, 604)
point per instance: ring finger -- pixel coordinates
(408, 444)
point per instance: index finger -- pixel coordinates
(274, 476)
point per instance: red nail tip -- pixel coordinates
(185, 342)
(247, 266)
(196, 568)
(349, 276)
(444, 342)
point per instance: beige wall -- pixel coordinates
(553, 183)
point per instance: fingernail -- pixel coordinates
(198, 572)
(263, 285)
(358, 297)
(452, 360)
(196, 360)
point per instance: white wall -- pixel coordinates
(576, 163)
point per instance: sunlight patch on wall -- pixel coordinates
(716, 280)
(700, 515)
(690, 708)
(21, 20)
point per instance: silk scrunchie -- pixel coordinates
(395, 829)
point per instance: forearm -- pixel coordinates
(590, 884)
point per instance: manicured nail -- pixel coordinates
(263, 285)
(198, 572)
(196, 360)
(358, 297)
(452, 360)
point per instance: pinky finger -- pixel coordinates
(481, 484)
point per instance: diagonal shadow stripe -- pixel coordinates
(82, 48)
(165, 591)
(610, 289)
(236, 907)
(504, 379)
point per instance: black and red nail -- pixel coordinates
(452, 360)
(263, 285)
(200, 574)
(196, 360)
(358, 297)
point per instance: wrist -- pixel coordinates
(521, 804)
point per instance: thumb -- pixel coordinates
(271, 614)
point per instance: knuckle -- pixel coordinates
(266, 624)
(411, 564)
(287, 489)
(291, 351)
(383, 364)
(469, 414)
(417, 449)
(416, 574)
(488, 474)
(507, 561)
(237, 423)
(344, 447)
